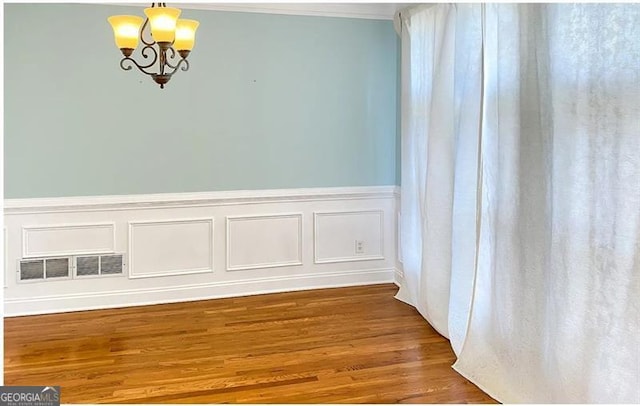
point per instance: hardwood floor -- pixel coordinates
(346, 345)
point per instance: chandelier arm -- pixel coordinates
(137, 65)
(145, 56)
(146, 23)
(186, 64)
(173, 56)
(184, 67)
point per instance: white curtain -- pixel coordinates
(520, 196)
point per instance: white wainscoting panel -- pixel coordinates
(170, 247)
(67, 239)
(337, 235)
(275, 240)
(264, 241)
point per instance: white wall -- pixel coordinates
(191, 246)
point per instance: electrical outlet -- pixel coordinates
(359, 247)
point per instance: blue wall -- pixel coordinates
(270, 101)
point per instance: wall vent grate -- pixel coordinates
(57, 267)
(41, 269)
(88, 266)
(100, 265)
(111, 264)
(48, 269)
(31, 270)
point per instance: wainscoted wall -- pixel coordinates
(270, 101)
(189, 246)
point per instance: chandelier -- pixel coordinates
(168, 33)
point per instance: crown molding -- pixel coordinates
(375, 11)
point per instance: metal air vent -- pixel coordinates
(111, 264)
(88, 266)
(57, 267)
(44, 269)
(31, 269)
(97, 265)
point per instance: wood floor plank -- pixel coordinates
(345, 345)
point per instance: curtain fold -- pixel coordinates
(427, 89)
(520, 196)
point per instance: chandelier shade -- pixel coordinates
(167, 35)
(126, 30)
(163, 22)
(185, 34)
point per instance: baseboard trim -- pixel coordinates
(398, 277)
(188, 293)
